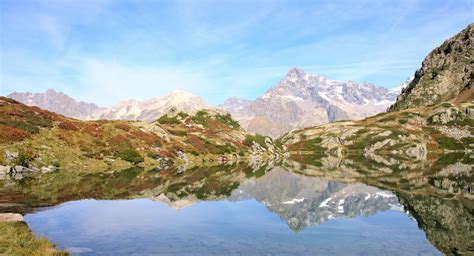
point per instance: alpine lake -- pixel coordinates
(327, 206)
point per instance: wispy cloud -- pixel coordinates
(104, 51)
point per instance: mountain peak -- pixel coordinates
(179, 92)
(296, 74)
(51, 91)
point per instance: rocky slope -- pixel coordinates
(302, 100)
(446, 74)
(411, 132)
(33, 138)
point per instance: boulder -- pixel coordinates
(5, 169)
(22, 169)
(10, 155)
(49, 168)
(10, 217)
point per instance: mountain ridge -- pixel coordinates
(302, 100)
(298, 100)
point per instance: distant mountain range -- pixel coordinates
(148, 110)
(302, 100)
(298, 100)
(59, 103)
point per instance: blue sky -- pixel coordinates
(105, 51)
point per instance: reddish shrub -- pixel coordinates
(120, 142)
(9, 134)
(123, 126)
(91, 128)
(66, 125)
(167, 153)
(196, 142)
(148, 138)
(67, 137)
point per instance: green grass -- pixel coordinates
(462, 122)
(257, 138)
(25, 156)
(449, 143)
(165, 119)
(256, 173)
(308, 145)
(452, 158)
(227, 119)
(17, 239)
(131, 155)
(214, 148)
(313, 160)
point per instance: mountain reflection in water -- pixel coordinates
(294, 208)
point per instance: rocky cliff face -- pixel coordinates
(60, 103)
(302, 100)
(446, 74)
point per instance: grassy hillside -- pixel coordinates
(34, 138)
(412, 133)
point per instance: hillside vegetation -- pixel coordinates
(35, 138)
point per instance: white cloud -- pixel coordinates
(110, 81)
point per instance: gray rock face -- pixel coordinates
(58, 102)
(302, 100)
(148, 110)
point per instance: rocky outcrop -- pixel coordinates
(446, 74)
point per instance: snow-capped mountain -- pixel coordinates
(301, 100)
(298, 100)
(152, 109)
(60, 103)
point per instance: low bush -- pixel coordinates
(131, 155)
(25, 156)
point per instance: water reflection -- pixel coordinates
(301, 206)
(303, 201)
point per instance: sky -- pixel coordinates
(105, 51)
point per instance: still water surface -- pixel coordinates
(278, 214)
